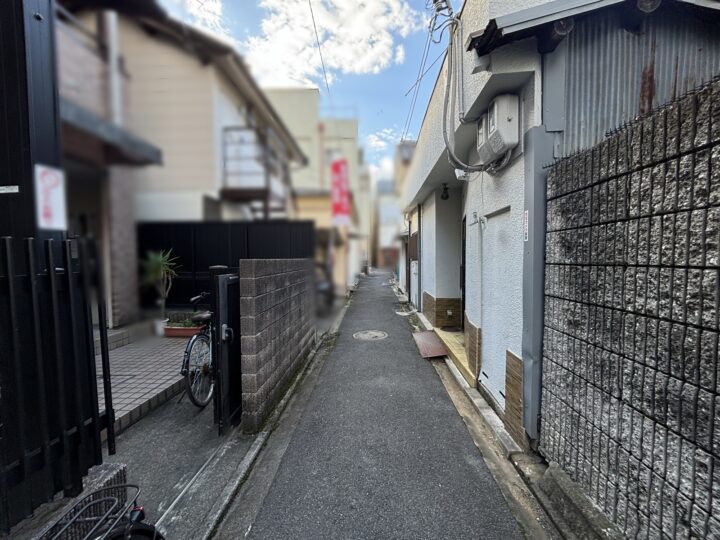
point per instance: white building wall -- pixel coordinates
(172, 106)
(170, 205)
(402, 269)
(353, 268)
(227, 109)
(430, 160)
(427, 247)
(494, 269)
(448, 250)
(493, 295)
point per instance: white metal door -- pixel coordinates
(501, 269)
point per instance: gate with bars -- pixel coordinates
(225, 304)
(50, 421)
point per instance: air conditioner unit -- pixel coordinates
(498, 129)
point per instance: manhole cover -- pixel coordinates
(370, 335)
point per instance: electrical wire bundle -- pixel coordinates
(442, 19)
(452, 23)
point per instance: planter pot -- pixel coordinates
(159, 326)
(182, 331)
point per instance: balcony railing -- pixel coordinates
(83, 73)
(252, 168)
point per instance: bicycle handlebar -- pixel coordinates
(199, 297)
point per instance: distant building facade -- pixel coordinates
(323, 140)
(226, 153)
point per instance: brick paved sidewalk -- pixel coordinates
(144, 375)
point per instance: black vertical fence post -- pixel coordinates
(74, 323)
(90, 343)
(50, 424)
(214, 271)
(19, 387)
(67, 475)
(104, 352)
(41, 393)
(29, 110)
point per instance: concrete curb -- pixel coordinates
(423, 319)
(573, 513)
(567, 506)
(489, 416)
(229, 492)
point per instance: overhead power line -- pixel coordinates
(317, 40)
(439, 56)
(426, 50)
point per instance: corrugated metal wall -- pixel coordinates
(606, 65)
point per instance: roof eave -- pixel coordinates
(513, 26)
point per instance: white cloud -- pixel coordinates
(383, 139)
(205, 14)
(355, 37)
(399, 54)
(375, 142)
(382, 170)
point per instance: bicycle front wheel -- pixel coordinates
(199, 377)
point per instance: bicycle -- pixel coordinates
(197, 367)
(117, 516)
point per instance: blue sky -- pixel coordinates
(372, 51)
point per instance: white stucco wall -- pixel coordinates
(170, 206)
(494, 259)
(402, 269)
(354, 261)
(448, 245)
(427, 249)
(494, 269)
(494, 244)
(429, 163)
(227, 108)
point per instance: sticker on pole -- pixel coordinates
(526, 224)
(51, 209)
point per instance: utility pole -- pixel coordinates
(29, 114)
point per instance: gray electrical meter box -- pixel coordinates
(498, 130)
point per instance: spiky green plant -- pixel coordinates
(159, 269)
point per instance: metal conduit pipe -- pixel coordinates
(455, 161)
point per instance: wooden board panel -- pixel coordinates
(513, 398)
(429, 344)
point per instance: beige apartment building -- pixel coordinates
(219, 151)
(323, 140)
(227, 152)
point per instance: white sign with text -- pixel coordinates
(51, 209)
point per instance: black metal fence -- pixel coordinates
(225, 304)
(49, 419)
(199, 245)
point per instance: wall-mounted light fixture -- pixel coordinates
(445, 194)
(475, 219)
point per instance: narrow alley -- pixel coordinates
(378, 450)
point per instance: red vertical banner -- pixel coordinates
(340, 192)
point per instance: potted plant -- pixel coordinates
(184, 328)
(159, 269)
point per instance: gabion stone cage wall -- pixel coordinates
(630, 399)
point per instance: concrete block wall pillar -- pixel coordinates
(120, 239)
(277, 328)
